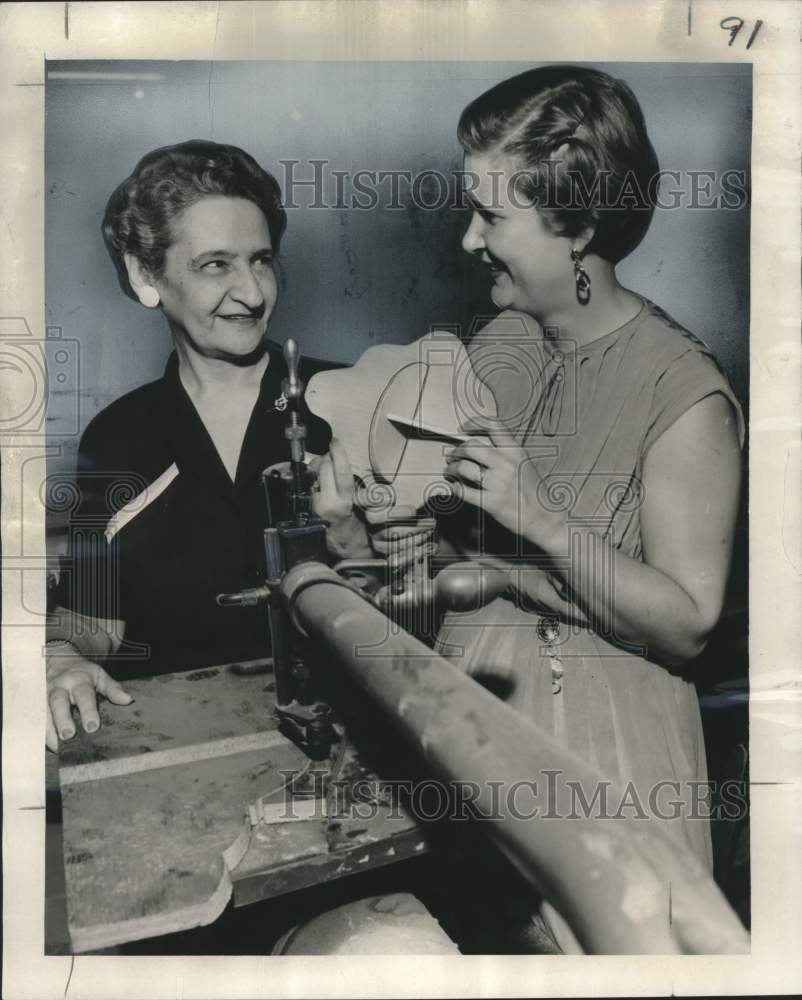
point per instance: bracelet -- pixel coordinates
(63, 642)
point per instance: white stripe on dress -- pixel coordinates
(140, 502)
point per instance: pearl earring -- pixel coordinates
(148, 296)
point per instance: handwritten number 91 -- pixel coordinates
(734, 25)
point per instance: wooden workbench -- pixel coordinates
(156, 826)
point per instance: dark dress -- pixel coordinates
(161, 529)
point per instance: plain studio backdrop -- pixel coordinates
(352, 277)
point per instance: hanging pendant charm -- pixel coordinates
(548, 631)
(582, 279)
(280, 404)
(556, 674)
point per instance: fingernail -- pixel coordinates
(92, 726)
(67, 733)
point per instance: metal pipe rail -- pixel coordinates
(624, 886)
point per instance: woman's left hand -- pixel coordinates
(499, 476)
(333, 502)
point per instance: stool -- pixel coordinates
(396, 924)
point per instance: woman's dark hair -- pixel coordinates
(170, 179)
(579, 140)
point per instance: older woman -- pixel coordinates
(193, 232)
(614, 478)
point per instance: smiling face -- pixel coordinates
(218, 288)
(530, 266)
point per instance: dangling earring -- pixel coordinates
(148, 296)
(582, 279)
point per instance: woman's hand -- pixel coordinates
(400, 544)
(333, 502)
(537, 588)
(73, 680)
(500, 477)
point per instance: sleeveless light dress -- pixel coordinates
(589, 415)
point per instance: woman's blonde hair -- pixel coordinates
(578, 139)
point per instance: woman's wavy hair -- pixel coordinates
(579, 142)
(170, 179)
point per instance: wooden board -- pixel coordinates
(155, 803)
(177, 710)
(151, 852)
(155, 806)
(431, 384)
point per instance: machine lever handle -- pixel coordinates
(244, 598)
